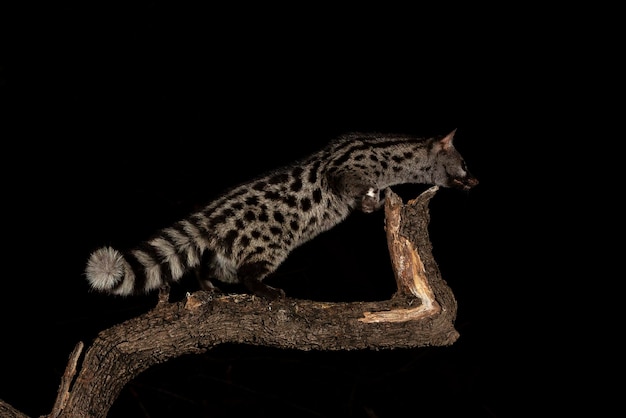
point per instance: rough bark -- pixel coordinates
(420, 313)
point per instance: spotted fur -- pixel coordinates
(245, 234)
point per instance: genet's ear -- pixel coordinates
(446, 141)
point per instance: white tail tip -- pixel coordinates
(105, 269)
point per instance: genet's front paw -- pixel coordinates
(370, 201)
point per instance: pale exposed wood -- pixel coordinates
(409, 270)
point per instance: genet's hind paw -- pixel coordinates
(263, 290)
(271, 293)
(208, 286)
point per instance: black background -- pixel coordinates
(120, 120)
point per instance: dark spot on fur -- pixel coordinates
(291, 201)
(297, 171)
(259, 185)
(296, 185)
(229, 239)
(278, 178)
(317, 195)
(272, 195)
(279, 217)
(220, 218)
(313, 172)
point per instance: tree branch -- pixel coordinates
(420, 313)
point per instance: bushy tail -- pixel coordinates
(107, 271)
(163, 259)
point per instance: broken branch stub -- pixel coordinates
(416, 272)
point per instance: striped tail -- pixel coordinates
(163, 259)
